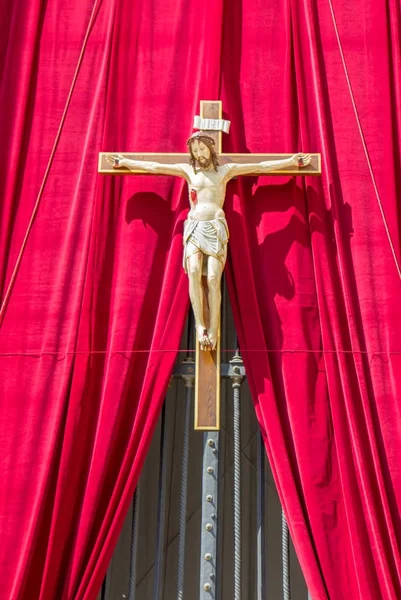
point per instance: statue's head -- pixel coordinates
(201, 151)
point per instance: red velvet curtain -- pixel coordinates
(94, 320)
(319, 311)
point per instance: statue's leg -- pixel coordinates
(214, 271)
(194, 269)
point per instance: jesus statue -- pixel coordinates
(205, 230)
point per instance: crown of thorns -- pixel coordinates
(201, 136)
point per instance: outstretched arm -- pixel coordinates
(117, 161)
(297, 161)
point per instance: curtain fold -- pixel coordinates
(94, 321)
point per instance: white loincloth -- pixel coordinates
(210, 237)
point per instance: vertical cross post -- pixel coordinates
(207, 381)
(207, 418)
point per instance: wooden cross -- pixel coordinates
(207, 376)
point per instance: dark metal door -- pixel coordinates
(206, 522)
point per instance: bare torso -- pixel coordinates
(207, 191)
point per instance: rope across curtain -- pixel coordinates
(94, 297)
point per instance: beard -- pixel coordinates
(205, 163)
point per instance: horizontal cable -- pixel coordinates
(190, 350)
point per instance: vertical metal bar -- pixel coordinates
(220, 520)
(134, 545)
(237, 496)
(237, 379)
(209, 523)
(189, 384)
(221, 481)
(260, 521)
(161, 503)
(103, 592)
(106, 586)
(285, 549)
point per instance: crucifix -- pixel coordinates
(207, 171)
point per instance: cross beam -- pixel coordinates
(171, 158)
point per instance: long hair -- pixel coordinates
(209, 142)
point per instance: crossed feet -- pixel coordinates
(207, 339)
